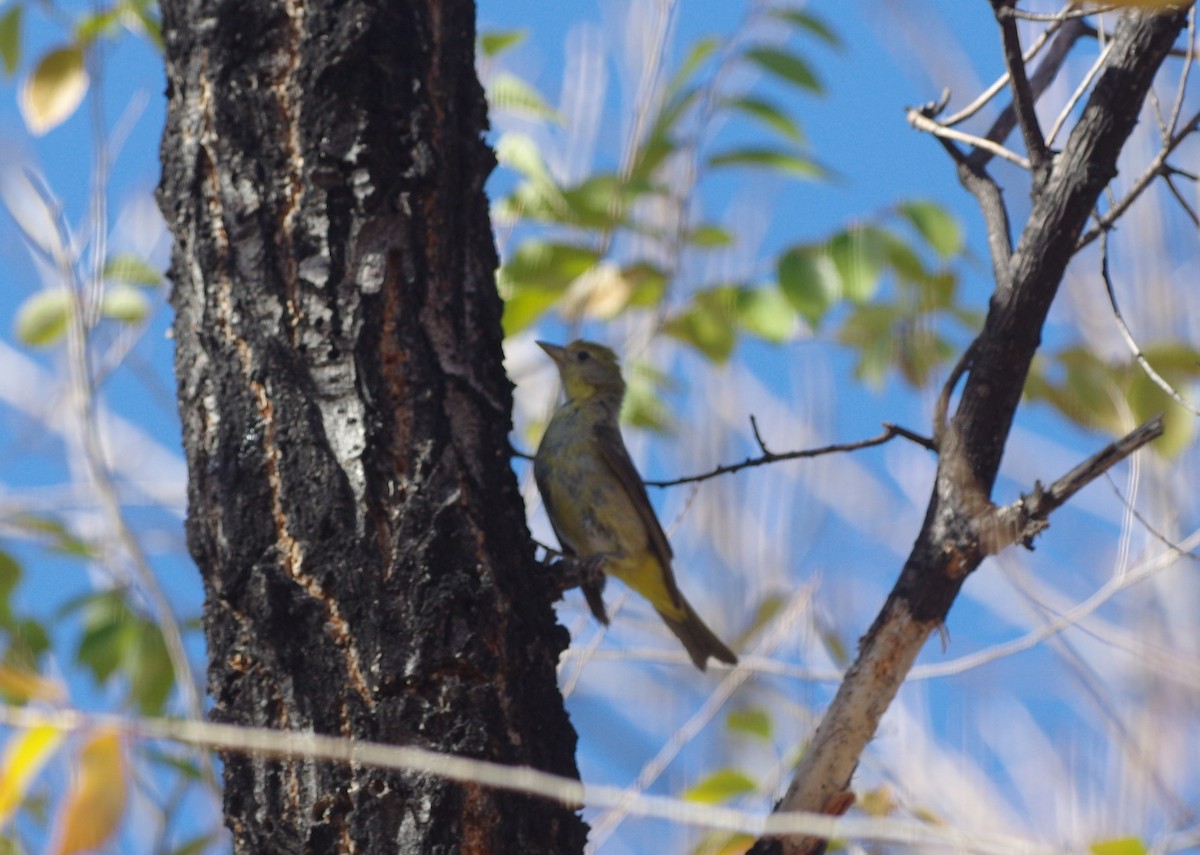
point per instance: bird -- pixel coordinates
(597, 502)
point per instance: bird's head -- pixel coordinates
(586, 369)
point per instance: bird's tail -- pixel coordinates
(700, 641)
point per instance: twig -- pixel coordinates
(890, 432)
(921, 122)
(1065, 113)
(942, 407)
(1156, 168)
(1154, 376)
(1023, 97)
(1022, 520)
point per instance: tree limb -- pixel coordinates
(949, 546)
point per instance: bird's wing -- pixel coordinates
(543, 482)
(612, 452)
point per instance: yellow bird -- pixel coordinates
(597, 502)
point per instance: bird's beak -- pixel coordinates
(552, 350)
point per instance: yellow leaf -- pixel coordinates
(54, 90)
(29, 686)
(24, 756)
(92, 810)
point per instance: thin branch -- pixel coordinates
(1157, 167)
(1071, 10)
(998, 85)
(890, 432)
(921, 122)
(1179, 197)
(1022, 520)
(1154, 376)
(1045, 74)
(942, 407)
(1086, 82)
(1023, 97)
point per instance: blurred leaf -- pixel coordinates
(124, 303)
(809, 280)
(750, 722)
(27, 752)
(93, 807)
(151, 674)
(720, 786)
(766, 312)
(520, 152)
(724, 843)
(546, 266)
(132, 270)
(701, 50)
(512, 94)
(601, 292)
(786, 66)
(196, 845)
(496, 42)
(811, 23)
(939, 229)
(42, 319)
(54, 90)
(10, 39)
(868, 331)
(659, 143)
(707, 235)
(523, 308)
(707, 324)
(23, 686)
(181, 765)
(93, 25)
(150, 26)
(59, 538)
(878, 802)
(1119, 846)
(649, 284)
(858, 254)
(643, 404)
(767, 113)
(781, 161)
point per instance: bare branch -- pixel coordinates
(1156, 378)
(890, 432)
(1023, 97)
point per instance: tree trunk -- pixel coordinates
(361, 538)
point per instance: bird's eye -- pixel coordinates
(583, 356)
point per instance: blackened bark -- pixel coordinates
(345, 415)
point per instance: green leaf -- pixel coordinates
(707, 324)
(643, 403)
(700, 51)
(92, 26)
(42, 319)
(811, 23)
(546, 266)
(767, 113)
(524, 307)
(1119, 846)
(131, 269)
(721, 786)
(750, 722)
(495, 42)
(10, 39)
(794, 165)
(150, 26)
(512, 94)
(707, 235)
(809, 280)
(648, 284)
(520, 152)
(766, 312)
(786, 66)
(151, 674)
(60, 538)
(940, 230)
(125, 303)
(196, 845)
(858, 255)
